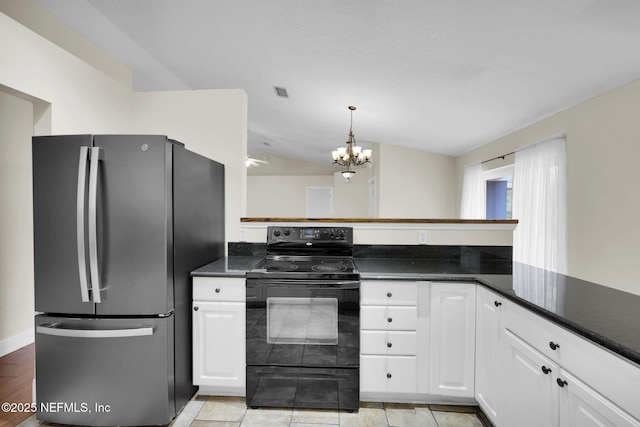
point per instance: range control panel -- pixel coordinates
(279, 234)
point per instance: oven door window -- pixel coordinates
(302, 321)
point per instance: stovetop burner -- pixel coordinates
(329, 267)
(282, 266)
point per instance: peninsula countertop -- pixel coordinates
(603, 315)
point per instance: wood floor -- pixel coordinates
(16, 378)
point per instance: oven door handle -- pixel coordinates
(294, 283)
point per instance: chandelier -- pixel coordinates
(352, 154)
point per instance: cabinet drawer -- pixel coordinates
(396, 374)
(534, 330)
(389, 318)
(389, 343)
(219, 289)
(386, 292)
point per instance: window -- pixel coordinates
(499, 192)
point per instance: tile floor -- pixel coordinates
(205, 411)
(231, 411)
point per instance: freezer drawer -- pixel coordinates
(103, 372)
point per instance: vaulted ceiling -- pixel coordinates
(444, 76)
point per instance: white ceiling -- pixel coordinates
(443, 76)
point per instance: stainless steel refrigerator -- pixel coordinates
(119, 223)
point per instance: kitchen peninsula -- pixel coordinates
(535, 347)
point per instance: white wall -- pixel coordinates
(415, 184)
(351, 199)
(281, 196)
(603, 147)
(212, 123)
(16, 223)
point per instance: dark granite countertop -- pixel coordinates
(231, 266)
(606, 316)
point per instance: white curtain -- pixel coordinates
(473, 201)
(540, 205)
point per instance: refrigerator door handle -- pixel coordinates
(50, 329)
(93, 224)
(80, 202)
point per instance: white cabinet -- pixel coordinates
(219, 335)
(552, 376)
(489, 355)
(581, 406)
(452, 356)
(529, 387)
(393, 339)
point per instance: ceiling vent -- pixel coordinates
(282, 92)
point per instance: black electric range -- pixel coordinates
(303, 321)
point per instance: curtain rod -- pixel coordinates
(499, 157)
(550, 138)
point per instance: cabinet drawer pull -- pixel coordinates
(217, 290)
(497, 303)
(561, 382)
(389, 345)
(388, 375)
(553, 345)
(546, 370)
(389, 294)
(196, 308)
(389, 319)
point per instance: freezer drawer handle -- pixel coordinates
(94, 333)
(80, 201)
(93, 224)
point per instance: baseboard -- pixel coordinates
(15, 342)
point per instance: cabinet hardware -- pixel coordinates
(389, 345)
(389, 294)
(546, 370)
(561, 382)
(553, 345)
(497, 303)
(389, 319)
(388, 375)
(217, 290)
(196, 308)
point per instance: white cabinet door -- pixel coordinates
(219, 345)
(581, 406)
(489, 360)
(452, 361)
(530, 388)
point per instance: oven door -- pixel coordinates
(303, 323)
(303, 343)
